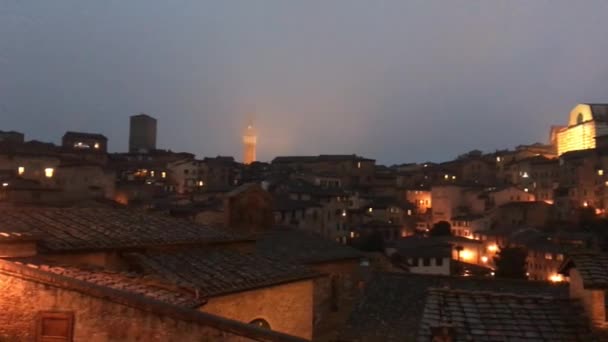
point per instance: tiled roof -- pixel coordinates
(490, 316)
(302, 247)
(65, 229)
(392, 306)
(215, 272)
(128, 282)
(593, 268)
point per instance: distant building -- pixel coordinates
(249, 144)
(85, 141)
(142, 133)
(12, 136)
(587, 121)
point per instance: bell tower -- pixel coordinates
(250, 140)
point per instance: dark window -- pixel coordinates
(579, 118)
(260, 323)
(415, 262)
(55, 326)
(439, 261)
(426, 261)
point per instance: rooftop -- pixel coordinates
(491, 316)
(215, 272)
(302, 247)
(71, 134)
(593, 268)
(74, 229)
(393, 304)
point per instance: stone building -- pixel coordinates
(586, 122)
(85, 141)
(159, 267)
(142, 133)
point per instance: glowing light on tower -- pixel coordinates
(250, 140)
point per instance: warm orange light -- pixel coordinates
(96, 146)
(466, 254)
(343, 213)
(484, 259)
(492, 248)
(5, 184)
(556, 278)
(163, 174)
(585, 204)
(21, 170)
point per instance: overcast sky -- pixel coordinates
(399, 81)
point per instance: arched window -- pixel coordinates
(260, 323)
(579, 118)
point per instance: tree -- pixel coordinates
(511, 263)
(441, 228)
(373, 242)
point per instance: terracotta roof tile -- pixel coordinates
(216, 272)
(593, 268)
(63, 229)
(489, 316)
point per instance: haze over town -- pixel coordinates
(397, 80)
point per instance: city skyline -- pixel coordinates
(383, 81)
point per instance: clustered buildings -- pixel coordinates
(158, 245)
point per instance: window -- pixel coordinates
(548, 256)
(55, 326)
(48, 172)
(21, 170)
(439, 261)
(260, 323)
(579, 118)
(415, 262)
(426, 262)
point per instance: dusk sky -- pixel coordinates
(399, 81)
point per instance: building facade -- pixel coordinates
(142, 133)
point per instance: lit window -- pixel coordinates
(96, 145)
(548, 256)
(358, 165)
(151, 173)
(370, 210)
(163, 174)
(492, 248)
(526, 189)
(585, 204)
(600, 172)
(556, 278)
(446, 176)
(498, 159)
(201, 183)
(21, 170)
(5, 184)
(352, 235)
(525, 175)
(409, 212)
(484, 259)
(343, 213)
(49, 172)
(453, 177)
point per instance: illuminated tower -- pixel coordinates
(250, 140)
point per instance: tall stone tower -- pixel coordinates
(142, 133)
(250, 140)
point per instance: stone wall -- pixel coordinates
(287, 308)
(592, 299)
(102, 314)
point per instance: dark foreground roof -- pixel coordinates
(392, 306)
(490, 316)
(215, 272)
(74, 229)
(302, 247)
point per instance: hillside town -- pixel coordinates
(156, 245)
